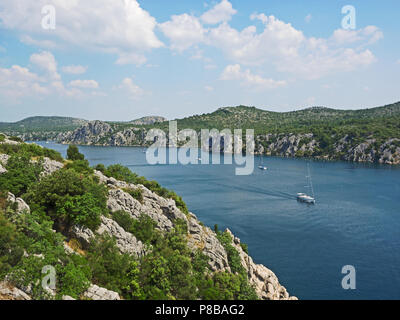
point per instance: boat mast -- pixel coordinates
(310, 181)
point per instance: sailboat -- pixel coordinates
(261, 166)
(302, 197)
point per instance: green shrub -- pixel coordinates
(69, 198)
(142, 228)
(113, 270)
(2, 137)
(31, 149)
(80, 166)
(135, 193)
(10, 251)
(21, 173)
(74, 154)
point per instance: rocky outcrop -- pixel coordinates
(97, 293)
(290, 145)
(126, 242)
(50, 166)
(9, 292)
(90, 133)
(4, 158)
(204, 239)
(2, 169)
(19, 203)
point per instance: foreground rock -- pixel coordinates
(97, 293)
(9, 292)
(19, 203)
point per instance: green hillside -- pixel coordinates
(42, 124)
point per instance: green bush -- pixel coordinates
(113, 270)
(44, 247)
(135, 193)
(80, 166)
(142, 228)
(21, 173)
(10, 251)
(74, 154)
(69, 198)
(31, 149)
(2, 137)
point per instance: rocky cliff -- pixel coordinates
(345, 147)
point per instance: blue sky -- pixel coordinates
(124, 59)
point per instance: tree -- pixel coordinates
(74, 154)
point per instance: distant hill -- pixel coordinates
(365, 135)
(40, 123)
(148, 120)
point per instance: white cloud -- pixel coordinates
(118, 27)
(278, 40)
(46, 61)
(221, 12)
(131, 58)
(308, 18)
(235, 72)
(38, 43)
(262, 17)
(74, 69)
(209, 88)
(16, 82)
(286, 49)
(183, 31)
(86, 84)
(369, 35)
(133, 90)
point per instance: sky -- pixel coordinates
(119, 60)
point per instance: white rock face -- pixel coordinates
(50, 166)
(2, 169)
(9, 292)
(97, 293)
(201, 237)
(21, 204)
(126, 242)
(4, 158)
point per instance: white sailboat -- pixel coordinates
(261, 166)
(302, 197)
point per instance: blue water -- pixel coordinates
(356, 220)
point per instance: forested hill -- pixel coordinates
(365, 135)
(301, 121)
(42, 124)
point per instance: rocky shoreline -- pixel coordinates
(345, 148)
